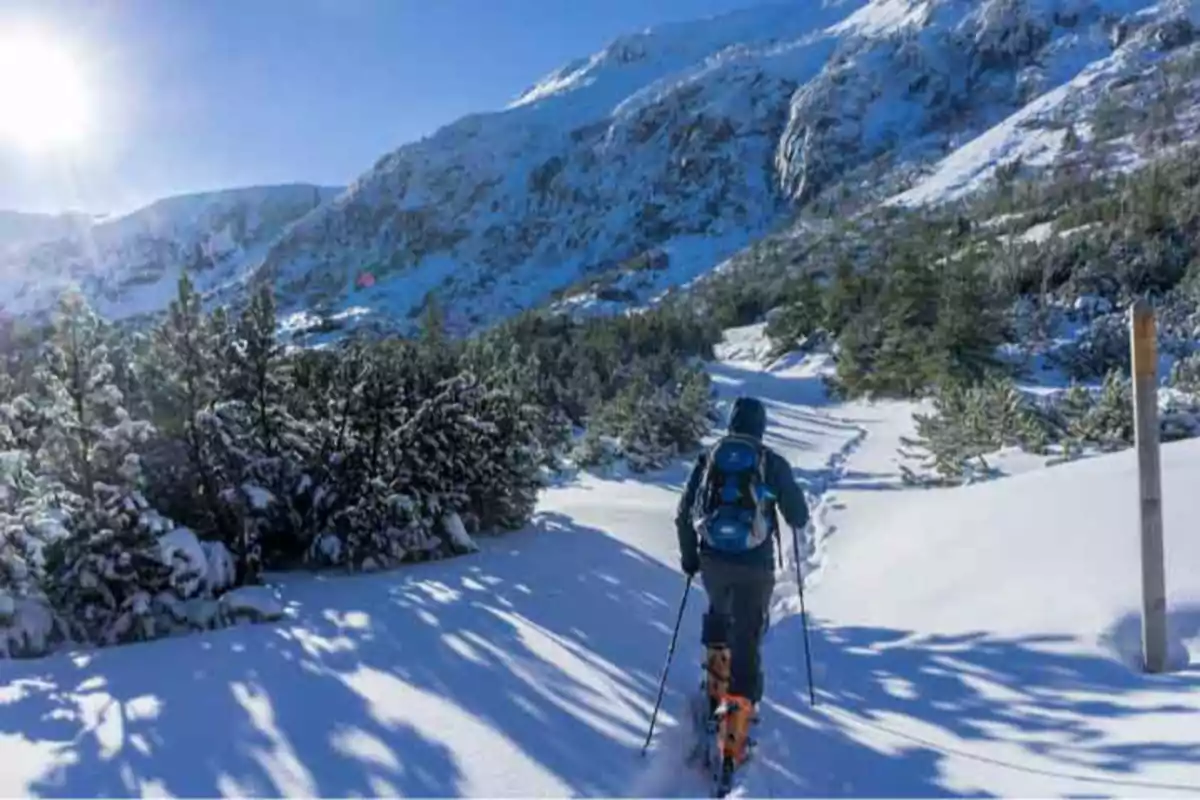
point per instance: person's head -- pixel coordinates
(748, 417)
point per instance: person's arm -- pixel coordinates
(789, 496)
(689, 547)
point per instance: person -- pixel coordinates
(736, 561)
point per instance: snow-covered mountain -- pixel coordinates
(130, 265)
(19, 230)
(639, 168)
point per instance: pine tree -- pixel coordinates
(800, 318)
(968, 328)
(267, 453)
(506, 481)
(106, 578)
(91, 439)
(102, 576)
(1072, 411)
(185, 364)
(257, 373)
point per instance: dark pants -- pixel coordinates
(739, 597)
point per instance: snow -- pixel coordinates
(221, 566)
(256, 603)
(1076, 70)
(968, 168)
(26, 627)
(977, 640)
(183, 551)
(458, 533)
(130, 265)
(884, 16)
(259, 498)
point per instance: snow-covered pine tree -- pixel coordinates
(29, 521)
(1071, 412)
(693, 407)
(436, 446)
(326, 397)
(1109, 423)
(102, 576)
(129, 352)
(506, 477)
(183, 369)
(523, 372)
(956, 437)
(258, 373)
(91, 437)
(264, 449)
(380, 519)
(104, 579)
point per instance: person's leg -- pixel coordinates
(716, 627)
(751, 601)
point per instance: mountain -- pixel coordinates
(638, 169)
(19, 230)
(129, 265)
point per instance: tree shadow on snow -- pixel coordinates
(543, 649)
(976, 688)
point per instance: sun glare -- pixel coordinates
(44, 102)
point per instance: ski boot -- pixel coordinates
(735, 715)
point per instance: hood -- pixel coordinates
(748, 417)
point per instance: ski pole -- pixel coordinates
(812, 695)
(662, 683)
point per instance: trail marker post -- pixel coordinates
(1145, 412)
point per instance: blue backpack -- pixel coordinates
(731, 512)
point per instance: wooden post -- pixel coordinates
(1145, 411)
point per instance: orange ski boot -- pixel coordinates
(735, 728)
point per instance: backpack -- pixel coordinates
(731, 512)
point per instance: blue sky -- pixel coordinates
(204, 94)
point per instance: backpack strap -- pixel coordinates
(700, 501)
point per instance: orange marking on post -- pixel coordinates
(1145, 349)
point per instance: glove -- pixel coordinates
(690, 563)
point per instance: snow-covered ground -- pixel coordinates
(965, 641)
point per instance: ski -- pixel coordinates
(704, 729)
(726, 771)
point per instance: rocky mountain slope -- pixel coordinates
(130, 265)
(639, 168)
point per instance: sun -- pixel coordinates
(44, 100)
